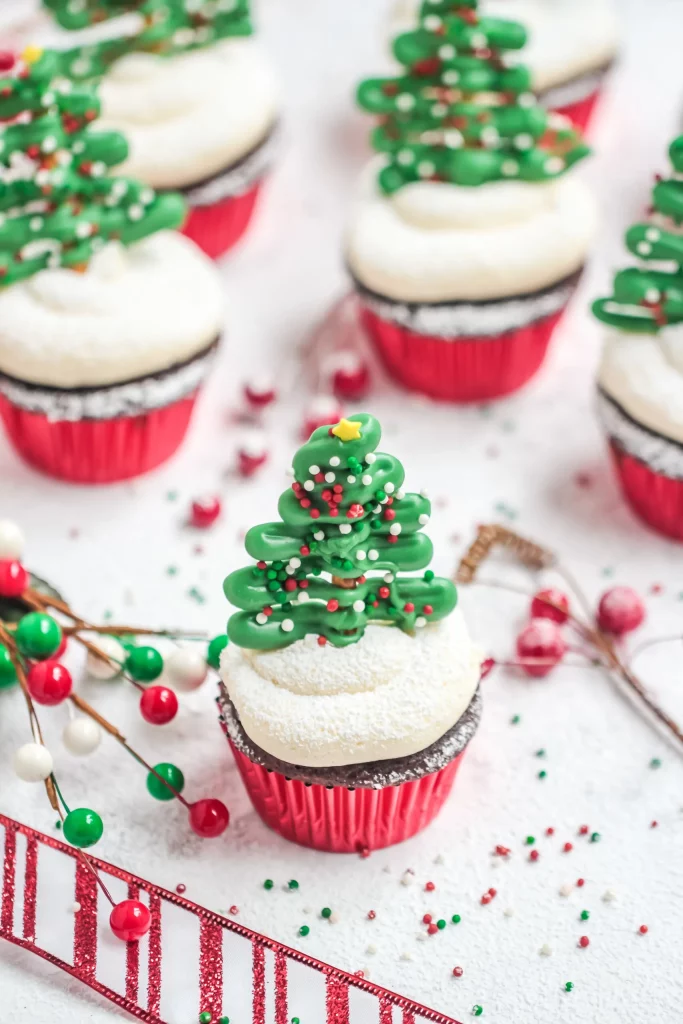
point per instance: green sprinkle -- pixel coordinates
(172, 570)
(206, 1017)
(326, 912)
(304, 930)
(456, 919)
(295, 1020)
(515, 720)
(568, 986)
(584, 915)
(428, 576)
(171, 495)
(268, 884)
(293, 884)
(441, 924)
(196, 595)
(530, 840)
(278, 565)
(477, 1010)
(271, 574)
(542, 774)
(595, 837)
(655, 763)
(540, 753)
(58, 824)
(223, 1020)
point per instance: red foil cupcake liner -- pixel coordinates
(467, 369)
(97, 451)
(656, 498)
(581, 112)
(341, 820)
(216, 228)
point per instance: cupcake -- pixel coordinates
(469, 235)
(197, 101)
(640, 381)
(108, 319)
(349, 691)
(572, 46)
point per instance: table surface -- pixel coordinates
(535, 461)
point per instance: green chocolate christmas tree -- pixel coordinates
(462, 112)
(344, 518)
(165, 27)
(647, 298)
(58, 204)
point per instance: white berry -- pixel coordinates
(351, 479)
(395, 529)
(33, 762)
(330, 478)
(81, 736)
(359, 606)
(11, 539)
(314, 470)
(366, 479)
(319, 535)
(335, 460)
(423, 519)
(186, 669)
(261, 618)
(360, 556)
(373, 555)
(309, 485)
(345, 528)
(389, 488)
(370, 458)
(101, 668)
(286, 625)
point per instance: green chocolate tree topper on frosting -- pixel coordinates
(647, 298)
(58, 204)
(166, 27)
(344, 518)
(462, 112)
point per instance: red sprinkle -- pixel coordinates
(314, 513)
(409, 607)
(580, 882)
(234, 909)
(432, 929)
(457, 972)
(653, 824)
(304, 550)
(260, 565)
(427, 919)
(486, 898)
(493, 892)
(534, 855)
(371, 915)
(550, 831)
(643, 929)
(568, 847)
(429, 887)
(180, 888)
(384, 592)
(289, 584)
(502, 851)
(584, 941)
(322, 640)
(332, 604)
(583, 831)
(427, 609)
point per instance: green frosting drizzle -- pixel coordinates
(57, 203)
(166, 27)
(462, 112)
(646, 299)
(344, 517)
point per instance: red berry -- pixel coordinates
(384, 592)
(584, 941)
(568, 847)
(432, 929)
(49, 682)
(289, 584)
(492, 893)
(550, 831)
(620, 610)
(429, 887)
(427, 919)
(502, 851)
(13, 578)
(643, 929)
(457, 972)
(371, 915)
(333, 605)
(322, 640)
(314, 513)
(304, 550)
(355, 511)
(205, 512)
(158, 705)
(580, 882)
(541, 640)
(584, 830)
(260, 565)
(486, 898)
(542, 609)
(389, 513)
(338, 489)
(351, 378)
(409, 607)
(427, 609)
(234, 909)
(534, 855)
(305, 502)
(130, 920)
(7, 60)
(209, 818)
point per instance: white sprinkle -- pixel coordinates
(366, 479)
(653, 234)
(309, 485)
(359, 606)
(261, 618)
(371, 950)
(405, 157)
(335, 460)
(334, 917)
(314, 470)
(446, 52)
(286, 625)
(303, 597)
(319, 535)
(422, 936)
(478, 41)
(377, 508)
(609, 896)
(295, 562)
(395, 529)
(509, 168)
(527, 99)
(83, 229)
(351, 479)
(426, 169)
(644, 248)
(75, 907)
(345, 527)
(439, 110)
(370, 458)
(451, 77)
(289, 569)
(423, 519)
(420, 622)
(566, 890)
(439, 859)
(389, 577)
(490, 136)
(523, 141)
(98, 169)
(360, 556)
(400, 495)
(407, 878)
(423, 493)
(545, 950)
(509, 912)
(389, 488)
(136, 212)
(330, 478)
(406, 955)
(453, 138)
(373, 555)
(405, 101)
(432, 22)
(555, 165)
(35, 223)
(49, 144)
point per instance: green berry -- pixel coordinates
(568, 986)
(516, 719)
(83, 827)
(216, 648)
(595, 837)
(293, 884)
(540, 753)
(441, 924)
(304, 930)
(655, 763)
(542, 774)
(295, 1020)
(584, 915)
(8, 675)
(273, 586)
(477, 1010)
(326, 912)
(38, 635)
(456, 919)
(144, 664)
(206, 1017)
(428, 576)
(223, 1020)
(171, 774)
(268, 884)
(530, 840)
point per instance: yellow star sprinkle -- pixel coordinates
(31, 54)
(347, 430)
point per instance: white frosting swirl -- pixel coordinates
(190, 116)
(436, 242)
(387, 696)
(644, 375)
(133, 312)
(567, 38)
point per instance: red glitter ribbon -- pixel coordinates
(268, 988)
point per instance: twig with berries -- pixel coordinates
(541, 644)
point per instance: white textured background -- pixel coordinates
(109, 549)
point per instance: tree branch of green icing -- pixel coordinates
(644, 299)
(461, 112)
(164, 27)
(58, 204)
(331, 565)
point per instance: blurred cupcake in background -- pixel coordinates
(108, 319)
(469, 234)
(571, 47)
(193, 93)
(640, 381)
